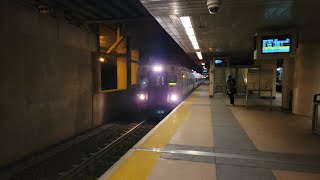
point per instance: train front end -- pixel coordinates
(158, 89)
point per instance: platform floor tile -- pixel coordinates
(196, 130)
(183, 170)
(284, 175)
(277, 131)
(227, 131)
(228, 172)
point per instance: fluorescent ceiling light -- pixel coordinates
(199, 55)
(190, 31)
(186, 22)
(203, 64)
(196, 47)
(193, 38)
(195, 43)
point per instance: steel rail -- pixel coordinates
(72, 172)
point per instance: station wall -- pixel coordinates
(47, 81)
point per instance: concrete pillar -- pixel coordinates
(228, 72)
(122, 68)
(236, 73)
(287, 82)
(128, 56)
(306, 78)
(96, 65)
(269, 64)
(134, 67)
(211, 79)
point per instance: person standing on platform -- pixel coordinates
(231, 89)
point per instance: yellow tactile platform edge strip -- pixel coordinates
(162, 136)
(139, 165)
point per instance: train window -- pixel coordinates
(158, 81)
(172, 78)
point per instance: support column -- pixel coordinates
(306, 82)
(287, 83)
(122, 67)
(128, 56)
(211, 79)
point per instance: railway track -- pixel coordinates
(83, 166)
(89, 159)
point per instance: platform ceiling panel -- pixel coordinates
(232, 29)
(93, 10)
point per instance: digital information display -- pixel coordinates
(221, 63)
(274, 44)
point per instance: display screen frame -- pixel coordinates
(276, 37)
(223, 64)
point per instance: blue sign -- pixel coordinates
(218, 61)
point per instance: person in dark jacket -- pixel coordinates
(231, 89)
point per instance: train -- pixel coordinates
(164, 86)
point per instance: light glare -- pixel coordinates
(157, 68)
(193, 38)
(195, 43)
(199, 55)
(142, 97)
(186, 22)
(196, 47)
(190, 31)
(101, 59)
(174, 97)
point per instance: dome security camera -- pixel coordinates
(213, 6)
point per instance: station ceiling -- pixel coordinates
(230, 32)
(94, 11)
(145, 32)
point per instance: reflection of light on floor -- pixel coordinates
(253, 100)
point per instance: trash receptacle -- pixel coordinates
(316, 114)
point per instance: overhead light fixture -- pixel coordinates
(195, 43)
(190, 31)
(199, 55)
(193, 38)
(203, 64)
(101, 59)
(186, 22)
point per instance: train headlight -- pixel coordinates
(142, 97)
(157, 68)
(174, 98)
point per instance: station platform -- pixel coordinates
(203, 138)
